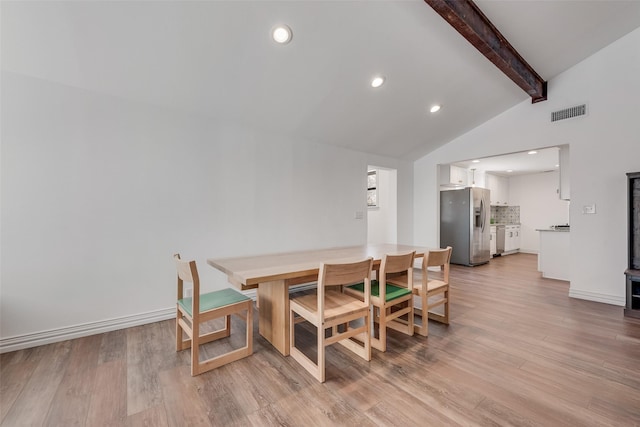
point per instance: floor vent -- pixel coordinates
(569, 113)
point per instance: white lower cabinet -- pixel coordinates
(553, 257)
(512, 238)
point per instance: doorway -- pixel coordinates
(382, 212)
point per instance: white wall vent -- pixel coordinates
(569, 113)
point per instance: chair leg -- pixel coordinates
(292, 331)
(315, 369)
(250, 329)
(446, 306)
(321, 371)
(375, 319)
(195, 349)
(367, 337)
(380, 343)
(178, 331)
(410, 320)
(425, 314)
(182, 328)
(423, 328)
(227, 324)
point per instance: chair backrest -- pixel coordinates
(398, 264)
(188, 272)
(339, 274)
(437, 258)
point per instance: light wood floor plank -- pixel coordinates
(70, 404)
(33, 404)
(12, 382)
(152, 417)
(143, 388)
(108, 405)
(181, 399)
(113, 346)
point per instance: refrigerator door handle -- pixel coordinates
(482, 216)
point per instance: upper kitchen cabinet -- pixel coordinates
(451, 175)
(499, 186)
(565, 172)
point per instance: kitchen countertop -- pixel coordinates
(554, 230)
(504, 223)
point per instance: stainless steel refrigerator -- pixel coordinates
(464, 225)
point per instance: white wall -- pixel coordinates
(604, 146)
(99, 192)
(382, 222)
(540, 206)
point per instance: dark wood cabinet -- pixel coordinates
(633, 293)
(633, 271)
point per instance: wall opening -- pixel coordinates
(382, 219)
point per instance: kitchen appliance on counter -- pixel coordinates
(464, 225)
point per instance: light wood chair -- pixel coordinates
(437, 289)
(193, 311)
(346, 316)
(389, 301)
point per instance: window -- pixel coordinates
(372, 189)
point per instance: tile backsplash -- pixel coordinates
(505, 214)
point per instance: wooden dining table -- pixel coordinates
(273, 274)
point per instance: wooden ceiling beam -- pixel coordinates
(467, 18)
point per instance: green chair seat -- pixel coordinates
(392, 291)
(215, 299)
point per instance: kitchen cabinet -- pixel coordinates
(499, 186)
(492, 240)
(565, 188)
(553, 256)
(451, 175)
(512, 239)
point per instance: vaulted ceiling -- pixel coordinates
(216, 59)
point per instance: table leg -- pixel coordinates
(273, 311)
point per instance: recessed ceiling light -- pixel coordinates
(509, 170)
(475, 161)
(557, 166)
(377, 81)
(281, 34)
(532, 152)
(435, 108)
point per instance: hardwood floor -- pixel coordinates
(518, 352)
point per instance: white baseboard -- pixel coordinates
(20, 342)
(594, 296)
